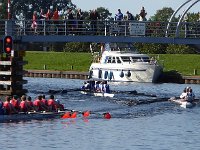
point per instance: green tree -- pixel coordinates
(76, 47)
(179, 49)
(151, 48)
(163, 14)
(27, 7)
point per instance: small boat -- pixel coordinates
(182, 102)
(30, 116)
(121, 65)
(98, 94)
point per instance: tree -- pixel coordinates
(179, 49)
(76, 47)
(3, 9)
(151, 48)
(27, 7)
(163, 14)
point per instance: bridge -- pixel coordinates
(102, 31)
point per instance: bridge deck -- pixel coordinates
(101, 31)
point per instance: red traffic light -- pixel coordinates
(8, 44)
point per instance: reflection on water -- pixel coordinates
(155, 126)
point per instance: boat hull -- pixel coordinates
(98, 94)
(30, 116)
(182, 103)
(130, 73)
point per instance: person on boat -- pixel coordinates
(38, 105)
(51, 103)
(106, 87)
(9, 108)
(30, 104)
(184, 94)
(23, 104)
(59, 106)
(44, 101)
(86, 85)
(97, 86)
(1, 108)
(190, 95)
(15, 102)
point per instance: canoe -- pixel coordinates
(98, 94)
(30, 116)
(182, 102)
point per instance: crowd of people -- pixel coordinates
(14, 104)
(76, 18)
(96, 86)
(187, 95)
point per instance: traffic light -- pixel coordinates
(8, 44)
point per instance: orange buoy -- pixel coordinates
(86, 113)
(107, 115)
(73, 115)
(66, 115)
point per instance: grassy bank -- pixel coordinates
(58, 61)
(184, 64)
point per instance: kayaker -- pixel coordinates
(59, 106)
(30, 104)
(184, 94)
(23, 104)
(15, 102)
(106, 87)
(190, 95)
(38, 105)
(9, 108)
(51, 103)
(1, 108)
(44, 101)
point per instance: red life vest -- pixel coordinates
(23, 106)
(37, 103)
(7, 107)
(15, 103)
(52, 104)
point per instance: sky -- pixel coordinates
(134, 6)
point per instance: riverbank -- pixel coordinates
(183, 64)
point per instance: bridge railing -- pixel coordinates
(104, 28)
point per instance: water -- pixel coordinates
(155, 126)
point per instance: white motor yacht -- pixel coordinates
(124, 66)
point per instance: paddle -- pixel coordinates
(134, 92)
(63, 91)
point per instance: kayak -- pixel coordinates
(98, 94)
(182, 102)
(30, 116)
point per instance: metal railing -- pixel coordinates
(104, 28)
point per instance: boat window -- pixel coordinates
(145, 59)
(125, 59)
(113, 60)
(118, 60)
(109, 60)
(135, 59)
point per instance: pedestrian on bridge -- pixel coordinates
(34, 23)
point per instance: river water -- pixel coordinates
(154, 126)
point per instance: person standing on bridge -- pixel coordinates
(55, 17)
(119, 17)
(79, 17)
(94, 16)
(34, 23)
(143, 14)
(129, 16)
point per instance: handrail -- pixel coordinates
(98, 28)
